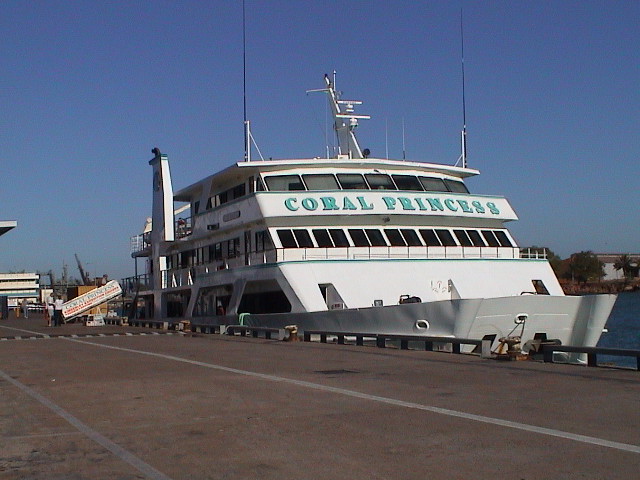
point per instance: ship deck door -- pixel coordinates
(331, 296)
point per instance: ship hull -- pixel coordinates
(573, 320)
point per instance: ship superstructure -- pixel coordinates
(350, 243)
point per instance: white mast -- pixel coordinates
(463, 135)
(345, 120)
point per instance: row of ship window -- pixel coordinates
(336, 237)
(357, 181)
(340, 181)
(395, 237)
(218, 251)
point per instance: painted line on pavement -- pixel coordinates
(40, 336)
(97, 437)
(386, 400)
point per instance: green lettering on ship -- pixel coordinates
(348, 204)
(289, 203)
(329, 203)
(465, 206)
(364, 204)
(309, 204)
(406, 203)
(390, 203)
(478, 206)
(423, 204)
(436, 204)
(492, 208)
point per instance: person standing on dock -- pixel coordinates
(49, 311)
(57, 312)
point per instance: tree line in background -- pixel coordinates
(585, 266)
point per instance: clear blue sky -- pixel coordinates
(89, 88)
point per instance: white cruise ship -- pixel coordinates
(351, 244)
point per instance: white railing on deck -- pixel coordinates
(395, 253)
(533, 254)
(140, 242)
(183, 277)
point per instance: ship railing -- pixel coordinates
(179, 278)
(534, 253)
(139, 243)
(548, 351)
(183, 227)
(175, 278)
(430, 343)
(374, 253)
(184, 277)
(131, 285)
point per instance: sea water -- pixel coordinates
(623, 329)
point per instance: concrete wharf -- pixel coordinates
(131, 403)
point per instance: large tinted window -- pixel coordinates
(503, 239)
(263, 241)
(215, 251)
(352, 181)
(287, 239)
(238, 191)
(303, 238)
(433, 184)
(233, 247)
(430, 238)
(380, 181)
(455, 186)
(323, 239)
(411, 237)
(339, 238)
(375, 237)
(490, 237)
(446, 238)
(395, 238)
(284, 183)
(359, 238)
(407, 182)
(463, 238)
(321, 182)
(476, 239)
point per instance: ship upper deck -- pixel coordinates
(331, 192)
(243, 170)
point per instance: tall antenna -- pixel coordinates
(463, 154)
(247, 133)
(386, 137)
(404, 151)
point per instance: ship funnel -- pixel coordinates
(162, 216)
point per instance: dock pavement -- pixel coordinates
(119, 402)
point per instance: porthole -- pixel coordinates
(422, 324)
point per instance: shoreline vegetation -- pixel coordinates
(583, 272)
(607, 286)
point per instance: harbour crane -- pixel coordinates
(84, 276)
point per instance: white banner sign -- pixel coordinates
(91, 299)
